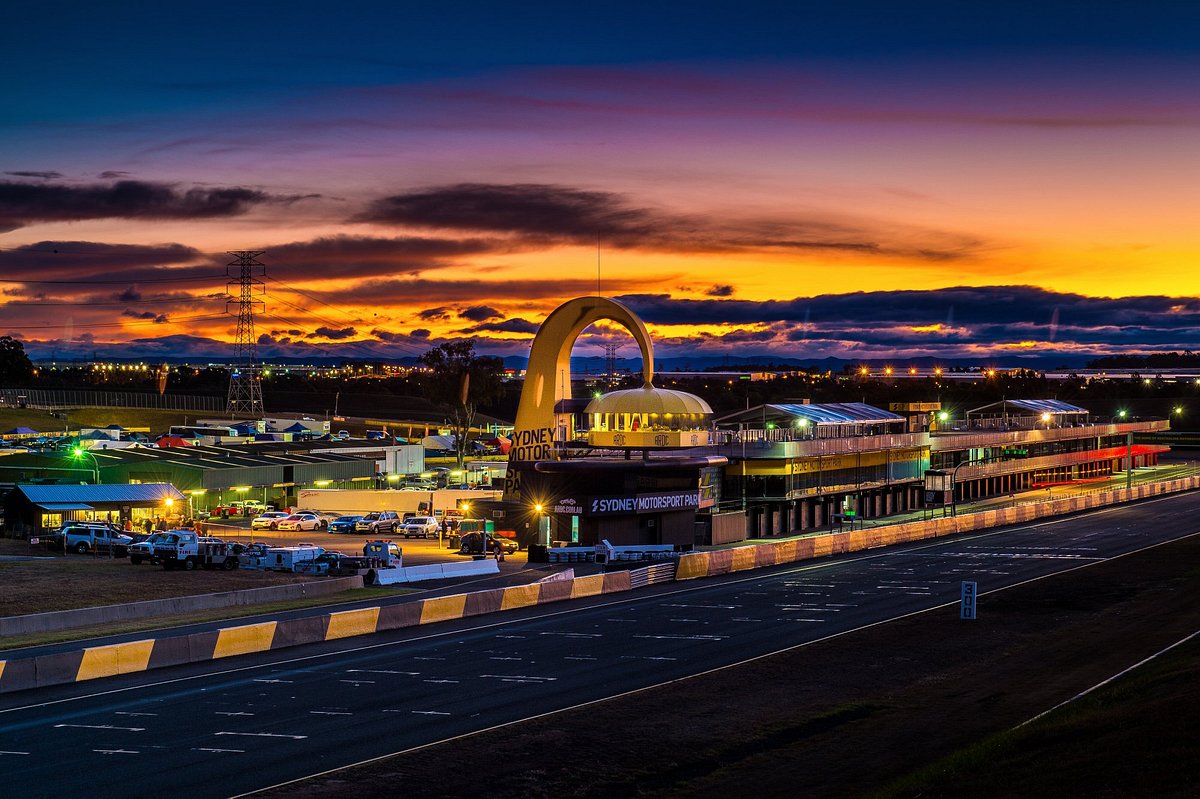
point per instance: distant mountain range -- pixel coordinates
(598, 365)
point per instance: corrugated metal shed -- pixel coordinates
(1034, 407)
(830, 413)
(78, 494)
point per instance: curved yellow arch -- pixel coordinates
(548, 377)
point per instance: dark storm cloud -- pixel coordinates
(406, 291)
(334, 334)
(534, 214)
(480, 313)
(952, 321)
(966, 305)
(507, 326)
(36, 175)
(367, 256)
(150, 316)
(421, 332)
(558, 212)
(82, 260)
(720, 291)
(112, 174)
(25, 203)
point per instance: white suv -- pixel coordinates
(421, 527)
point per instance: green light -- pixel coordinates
(943, 416)
(78, 451)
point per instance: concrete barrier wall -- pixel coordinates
(95, 662)
(86, 617)
(105, 661)
(726, 561)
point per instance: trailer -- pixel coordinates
(286, 559)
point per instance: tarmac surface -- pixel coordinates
(266, 719)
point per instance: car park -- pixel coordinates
(268, 521)
(421, 527)
(344, 524)
(301, 521)
(379, 522)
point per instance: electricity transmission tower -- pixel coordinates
(245, 384)
(610, 362)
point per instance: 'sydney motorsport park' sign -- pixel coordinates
(642, 503)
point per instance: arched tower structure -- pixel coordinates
(548, 377)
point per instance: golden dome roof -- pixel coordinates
(649, 399)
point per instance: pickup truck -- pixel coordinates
(186, 550)
(144, 550)
(85, 538)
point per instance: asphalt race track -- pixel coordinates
(236, 726)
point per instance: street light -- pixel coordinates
(79, 452)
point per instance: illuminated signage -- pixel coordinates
(643, 503)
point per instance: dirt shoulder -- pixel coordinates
(73, 581)
(904, 709)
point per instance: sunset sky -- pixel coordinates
(857, 180)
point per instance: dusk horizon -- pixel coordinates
(863, 183)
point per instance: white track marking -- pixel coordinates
(263, 735)
(220, 751)
(101, 727)
(1105, 682)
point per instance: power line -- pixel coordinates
(411, 347)
(119, 281)
(314, 299)
(40, 304)
(90, 325)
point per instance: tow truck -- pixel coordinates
(186, 550)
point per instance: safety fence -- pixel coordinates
(725, 561)
(651, 575)
(58, 399)
(110, 660)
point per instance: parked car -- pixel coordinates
(479, 544)
(301, 521)
(344, 524)
(85, 538)
(421, 527)
(325, 563)
(379, 522)
(268, 521)
(253, 555)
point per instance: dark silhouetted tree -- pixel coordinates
(14, 363)
(458, 381)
